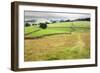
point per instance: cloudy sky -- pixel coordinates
(31, 15)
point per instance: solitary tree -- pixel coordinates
(27, 24)
(43, 25)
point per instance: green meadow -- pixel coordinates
(61, 27)
(60, 40)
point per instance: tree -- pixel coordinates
(27, 24)
(67, 20)
(34, 24)
(43, 25)
(62, 21)
(53, 21)
(83, 19)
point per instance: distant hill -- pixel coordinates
(83, 19)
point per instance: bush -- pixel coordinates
(53, 21)
(43, 25)
(34, 24)
(62, 21)
(27, 24)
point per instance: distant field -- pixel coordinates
(68, 24)
(63, 27)
(59, 46)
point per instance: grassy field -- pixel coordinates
(59, 46)
(68, 24)
(63, 27)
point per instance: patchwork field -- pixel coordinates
(63, 27)
(65, 40)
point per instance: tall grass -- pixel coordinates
(57, 47)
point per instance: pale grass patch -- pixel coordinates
(55, 47)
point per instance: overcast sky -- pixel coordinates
(29, 15)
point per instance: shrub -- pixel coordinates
(43, 25)
(34, 24)
(53, 21)
(62, 21)
(27, 24)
